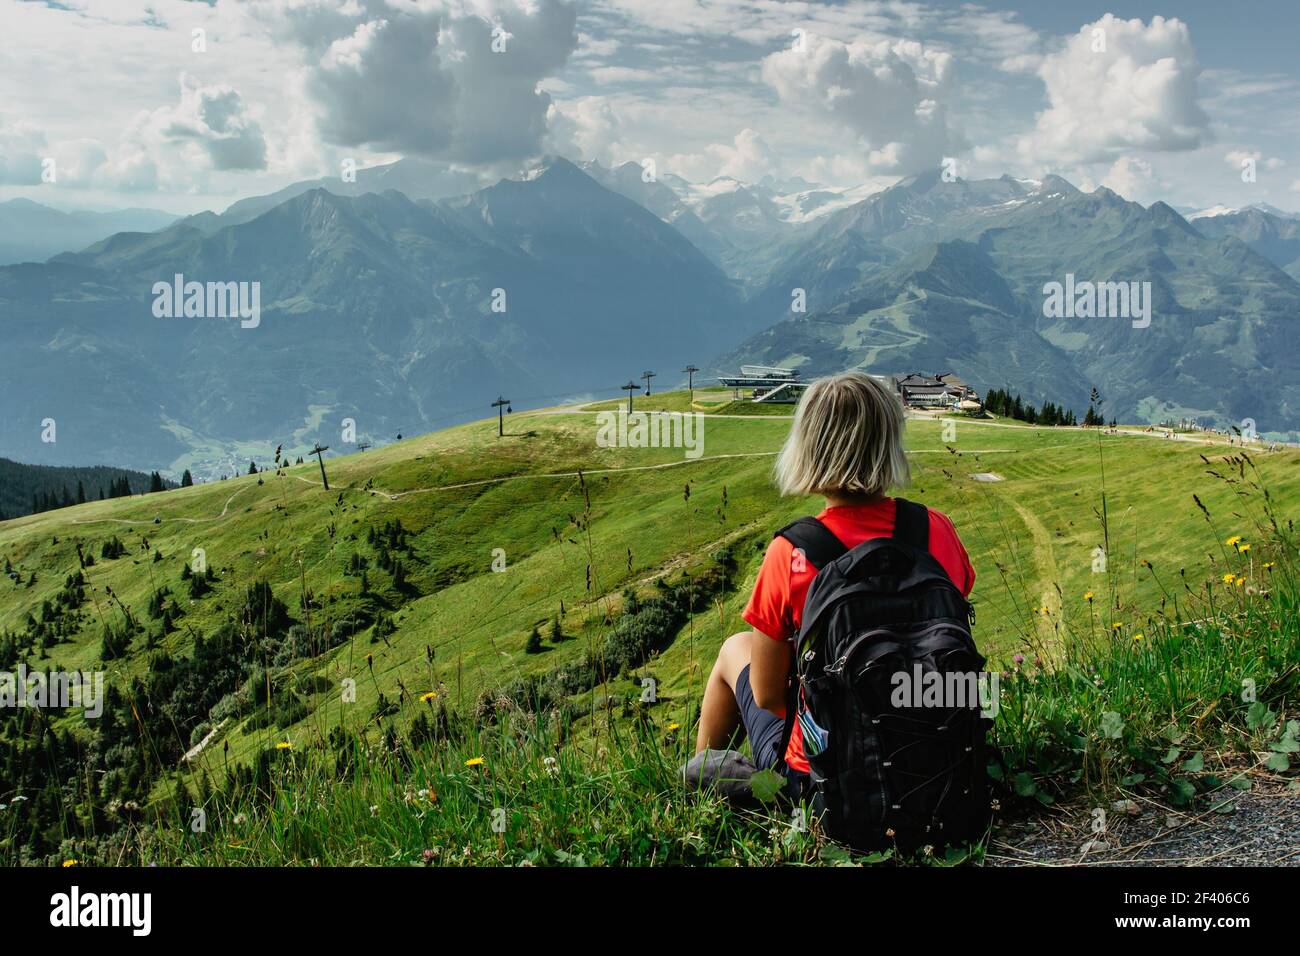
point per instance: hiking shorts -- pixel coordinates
(764, 729)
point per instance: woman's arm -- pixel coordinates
(769, 666)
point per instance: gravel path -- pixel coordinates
(1255, 827)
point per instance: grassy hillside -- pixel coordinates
(416, 580)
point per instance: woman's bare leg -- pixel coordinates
(719, 715)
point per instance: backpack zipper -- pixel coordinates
(837, 669)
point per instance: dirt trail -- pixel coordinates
(225, 509)
(1045, 562)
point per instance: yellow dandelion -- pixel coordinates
(1117, 625)
(1267, 565)
(1240, 581)
(1233, 540)
(284, 745)
(672, 727)
(1243, 548)
(1088, 597)
(1138, 636)
(425, 698)
(68, 863)
(1229, 578)
(474, 762)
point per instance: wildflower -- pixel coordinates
(241, 818)
(1138, 636)
(1243, 548)
(374, 810)
(1233, 540)
(890, 833)
(428, 857)
(1019, 659)
(474, 762)
(1117, 626)
(1240, 581)
(1229, 578)
(284, 745)
(1268, 565)
(68, 863)
(425, 698)
(674, 726)
(1088, 596)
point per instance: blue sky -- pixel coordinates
(136, 108)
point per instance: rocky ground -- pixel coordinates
(1255, 827)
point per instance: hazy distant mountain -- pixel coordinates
(374, 307)
(1271, 232)
(1192, 214)
(937, 276)
(31, 232)
(759, 223)
(414, 178)
(743, 227)
(380, 307)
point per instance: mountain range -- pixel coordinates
(398, 314)
(32, 232)
(410, 299)
(939, 276)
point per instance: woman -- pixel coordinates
(847, 446)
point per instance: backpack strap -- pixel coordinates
(820, 547)
(911, 524)
(817, 542)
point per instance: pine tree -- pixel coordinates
(252, 467)
(81, 492)
(187, 479)
(557, 632)
(155, 483)
(534, 643)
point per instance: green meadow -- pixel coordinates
(415, 717)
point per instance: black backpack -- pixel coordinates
(893, 764)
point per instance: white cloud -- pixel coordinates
(1119, 85)
(211, 124)
(1237, 159)
(588, 127)
(22, 147)
(452, 79)
(1133, 178)
(747, 157)
(893, 94)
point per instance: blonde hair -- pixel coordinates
(847, 440)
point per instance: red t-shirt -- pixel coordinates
(776, 606)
